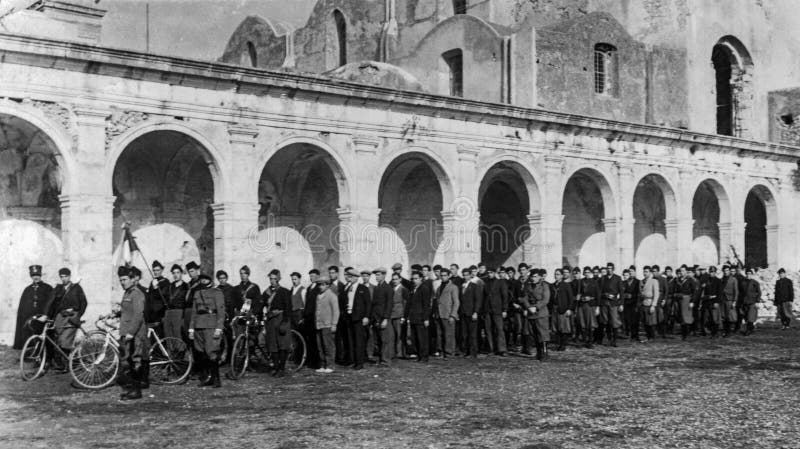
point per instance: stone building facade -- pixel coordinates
(374, 163)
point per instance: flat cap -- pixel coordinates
(379, 270)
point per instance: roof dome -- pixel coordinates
(377, 74)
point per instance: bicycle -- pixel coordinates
(249, 353)
(34, 355)
(94, 364)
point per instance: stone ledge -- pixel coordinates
(51, 54)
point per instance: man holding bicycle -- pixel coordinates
(66, 306)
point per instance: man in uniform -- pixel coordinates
(133, 345)
(277, 302)
(66, 306)
(535, 300)
(711, 299)
(418, 313)
(172, 322)
(784, 296)
(729, 293)
(564, 306)
(588, 306)
(194, 284)
(33, 301)
(206, 324)
(610, 305)
(750, 301)
(381, 317)
(630, 301)
(683, 293)
(495, 310)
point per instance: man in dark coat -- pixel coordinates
(564, 306)
(495, 311)
(308, 327)
(381, 317)
(418, 313)
(33, 301)
(229, 295)
(784, 296)
(356, 305)
(750, 301)
(277, 301)
(611, 305)
(173, 322)
(470, 304)
(588, 305)
(66, 307)
(684, 293)
(630, 300)
(156, 298)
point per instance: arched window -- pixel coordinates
(459, 6)
(605, 69)
(455, 64)
(341, 36)
(733, 80)
(252, 54)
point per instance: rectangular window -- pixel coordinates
(459, 6)
(455, 64)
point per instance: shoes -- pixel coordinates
(321, 370)
(501, 354)
(131, 395)
(358, 367)
(279, 373)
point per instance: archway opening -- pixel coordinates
(164, 188)
(30, 212)
(706, 244)
(504, 206)
(733, 69)
(583, 230)
(411, 202)
(650, 214)
(301, 188)
(756, 218)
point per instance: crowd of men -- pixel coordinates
(378, 316)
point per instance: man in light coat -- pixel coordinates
(326, 317)
(448, 304)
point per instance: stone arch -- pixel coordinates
(711, 215)
(165, 181)
(761, 226)
(303, 186)
(507, 196)
(212, 154)
(435, 162)
(655, 218)
(589, 210)
(414, 191)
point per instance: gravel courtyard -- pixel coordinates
(726, 393)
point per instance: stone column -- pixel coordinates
(773, 237)
(87, 215)
(627, 250)
(358, 236)
(461, 241)
(725, 239)
(612, 247)
(679, 240)
(550, 239)
(236, 216)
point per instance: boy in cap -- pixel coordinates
(784, 296)
(32, 302)
(750, 302)
(133, 344)
(326, 316)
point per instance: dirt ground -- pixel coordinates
(727, 393)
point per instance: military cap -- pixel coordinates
(244, 268)
(123, 271)
(35, 270)
(397, 266)
(192, 265)
(176, 267)
(157, 264)
(64, 272)
(610, 265)
(416, 267)
(587, 268)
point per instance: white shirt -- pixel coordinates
(351, 296)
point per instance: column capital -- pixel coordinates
(554, 162)
(92, 116)
(362, 213)
(84, 198)
(226, 207)
(242, 134)
(365, 143)
(468, 153)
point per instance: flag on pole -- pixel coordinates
(129, 246)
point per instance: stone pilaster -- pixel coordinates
(627, 222)
(611, 227)
(679, 240)
(235, 235)
(725, 239)
(461, 242)
(358, 237)
(550, 237)
(773, 238)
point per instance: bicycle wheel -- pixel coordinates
(33, 357)
(297, 352)
(170, 361)
(94, 363)
(240, 357)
